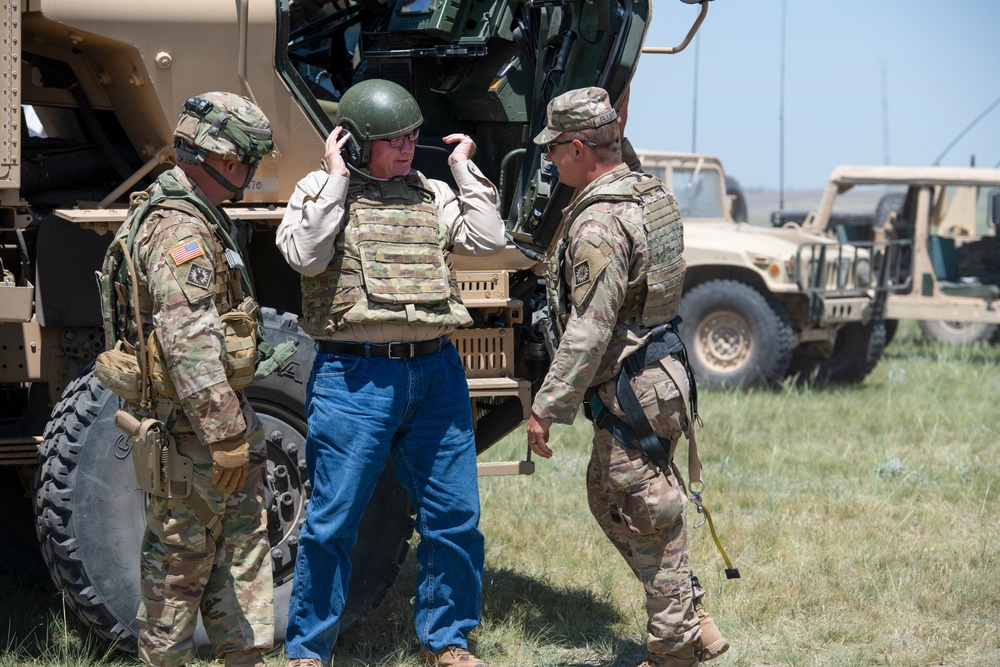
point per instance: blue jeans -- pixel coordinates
(359, 410)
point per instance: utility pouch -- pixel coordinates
(160, 470)
(118, 370)
(240, 329)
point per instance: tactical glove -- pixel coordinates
(230, 463)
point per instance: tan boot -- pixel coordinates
(251, 658)
(680, 657)
(305, 662)
(711, 644)
(451, 655)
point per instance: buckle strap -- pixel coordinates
(213, 522)
(391, 350)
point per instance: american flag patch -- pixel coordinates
(186, 252)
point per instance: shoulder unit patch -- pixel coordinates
(199, 276)
(581, 273)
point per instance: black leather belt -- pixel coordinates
(391, 350)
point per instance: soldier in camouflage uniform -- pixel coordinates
(373, 239)
(190, 273)
(614, 288)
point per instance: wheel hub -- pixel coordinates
(724, 341)
(287, 486)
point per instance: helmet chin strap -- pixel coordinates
(237, 190)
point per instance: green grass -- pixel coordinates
(864, 521)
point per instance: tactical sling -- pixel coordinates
(637, 432)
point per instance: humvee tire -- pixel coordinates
(855, 354)
(90, 516)
(735, 336)
(958, 333)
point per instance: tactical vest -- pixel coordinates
(238, 314)
(390, 263)
(653, 295)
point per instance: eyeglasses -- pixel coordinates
(398, 142)
(551, 145)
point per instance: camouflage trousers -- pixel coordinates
(641, 509)
(184, 571)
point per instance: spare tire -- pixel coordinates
(90, 516)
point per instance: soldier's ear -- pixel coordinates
(231, 167)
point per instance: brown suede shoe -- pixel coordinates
(251, 658)
(682, 657)
(305, 662)
(451, 655)
(712, 644)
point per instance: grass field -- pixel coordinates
(863, 520)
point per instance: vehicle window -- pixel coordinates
(698, 196)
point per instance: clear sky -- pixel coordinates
(940, 60)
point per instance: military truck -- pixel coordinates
(948, 275)
(760, 304)
(91, 94)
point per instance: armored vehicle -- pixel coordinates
(759, 303)
(91, 95)
(949, 272)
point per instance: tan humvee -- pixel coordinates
(761, 303)
(949, 273)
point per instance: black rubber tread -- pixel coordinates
(772, 333)
(55, 481)
(75, 476)
(855, 355)
(958, 333)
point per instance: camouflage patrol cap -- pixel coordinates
(579, 109)
(223, 123)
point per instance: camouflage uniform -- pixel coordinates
(602, 265)
(185, 284)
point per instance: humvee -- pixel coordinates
(948, 274)
(760, 304)
(91, 92)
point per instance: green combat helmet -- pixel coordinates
(228, 125)
(377, 109)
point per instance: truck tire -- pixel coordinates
(735, 336)
(958, 333)
(855, 354)
(90, 516)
